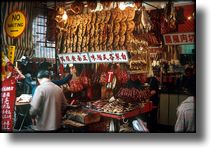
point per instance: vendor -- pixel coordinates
(48, 104)
(70, 74)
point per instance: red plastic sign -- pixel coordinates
(179, 38)
(110, 76)
(8, 93)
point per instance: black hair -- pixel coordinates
(191, 86)
(189, 69)
(43, 74)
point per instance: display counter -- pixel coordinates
(22, 114)
(116, 118)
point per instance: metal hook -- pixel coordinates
(124, 120)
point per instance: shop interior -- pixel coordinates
(118, 52)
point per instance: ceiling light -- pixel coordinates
(162, 5)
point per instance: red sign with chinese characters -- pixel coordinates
(8, 93)
(110, 76)
(179, 38)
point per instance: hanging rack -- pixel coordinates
(150, 5)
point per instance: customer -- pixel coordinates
(186, 111)
(154, 83)
(187, 78)
(48, 104)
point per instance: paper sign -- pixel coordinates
(11, 54)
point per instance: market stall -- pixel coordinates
(112, 50)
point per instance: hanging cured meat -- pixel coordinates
(122, 77)
(105, 4)
(113, 15)
(116, 42)
(92, 5)
(138, 23)
(119, 15)
(146, 20)
(77, 7)
(130, 26)
(122, 41)
(98, 17)
(103, 16)
(170, 15)
(124, 15)
(123, 28)
(116, 28)
(108, 16)
(75, 85)
(130, 13)
(96, 31)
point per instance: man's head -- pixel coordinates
(188, 72)
(43, 74)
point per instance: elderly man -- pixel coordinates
(48, 104)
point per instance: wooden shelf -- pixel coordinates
(136, 71)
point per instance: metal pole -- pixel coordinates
(56, 72)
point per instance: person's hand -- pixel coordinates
(72, 70)
(153, 92)
(33, 121)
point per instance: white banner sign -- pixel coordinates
(119, 56)
(74, 58)
(179, 38)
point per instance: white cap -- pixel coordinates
(70, 65)
(22, 58)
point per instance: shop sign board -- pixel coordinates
(119, 56)
(15, 24)
(8, 93)
(11, 54)
(179, 38)
(74, 58)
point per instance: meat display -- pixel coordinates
(99, 104)
(96, 31)
(133, 94)
(116, 106)
(75, 85)
(138, 60)
(103, 80)
(122, 77)
(82, 116)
